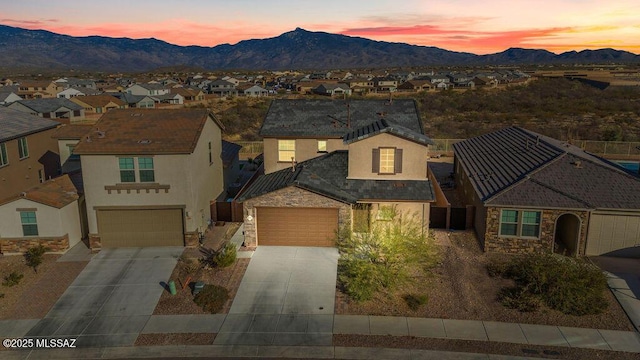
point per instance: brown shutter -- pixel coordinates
(375, 162)
(398, 161)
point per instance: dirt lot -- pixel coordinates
(460, 288)
(37, 292)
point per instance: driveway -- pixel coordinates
(113, 297)
(624, 281)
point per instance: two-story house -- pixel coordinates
(149, 89)
(61, 110)
(150, 175)
(222, 88)
(38, 89)
(99, 104)
(353, 162)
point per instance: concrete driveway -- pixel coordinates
(113, 297)
(623, 276)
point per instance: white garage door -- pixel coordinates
(612, 232)
(140, 228)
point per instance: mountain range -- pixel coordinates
(297, 49)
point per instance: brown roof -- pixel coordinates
(71, 131)
(146, 131)
(98, 100)
(58, 193)
(186, 92)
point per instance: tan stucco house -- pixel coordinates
(150, 175)
(344, 173)
(533, 193)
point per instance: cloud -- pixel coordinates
(28, 24)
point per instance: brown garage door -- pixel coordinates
(296, 226)
(140, 228)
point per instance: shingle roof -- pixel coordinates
(58, 193)
(229, 152)
(517, 167)
(71, 131)
(15, 124)
(329, 118)
(327, 175)
(99, 100)
(384, 126)
(146, 131)
(47, 105)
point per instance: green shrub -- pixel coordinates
(226, 256)
(519, 299)
(569, 285)
(34, 256)
(212, 298)
(12, 279)
(414, 301)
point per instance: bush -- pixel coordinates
(226, 256)
(519, 299)
(212, 298)
(414, 301)
(12, 279)
(569, 285)
(34, 256)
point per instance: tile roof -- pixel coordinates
(327, 175)
(517, 167)
(229, 152)
(58, 193)
(329, 118)
(383, 126)
(99, 100)
(15, 124)
(71, 131)
(48, 105)
(146, 131)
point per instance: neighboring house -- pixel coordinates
(222, 88)
(62, 110)
(416, 85)
(333, 90)
(71, 92)
(150, 175)
(382, 170)
(230, 164)
(77, 83)
(174, 98)
(46, 214)
(28, 154)
(533, 193)
(385, 84)
(361, 85)
(68, 136)
(7, 97)
(189, 94)
(252, 90)
(99, 104)
(149, 89)
(38, 89)
(136, 101)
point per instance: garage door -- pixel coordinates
(140, 228)
(608, 233)
(297, 226)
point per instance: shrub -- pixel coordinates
(226, 256)
(414, 301)
(34, 256)
(12, 279)
(518, 298)
(569, 285)
(212, 298)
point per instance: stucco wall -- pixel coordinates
(289, 197)
(305, 149)
(63, 149)
(420, 210)
(414, 158)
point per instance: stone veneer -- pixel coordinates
(495, 243)
(290, 197)
(191, 239)
(95, 243)
(21, 245)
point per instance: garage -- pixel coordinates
(140, 227)
(613, 232)
(295, 226)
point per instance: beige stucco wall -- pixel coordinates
(20, 175)
(414, 158)
(193, 182)
(52, 222)
(63, 149)
(420, 210)
(305, 149)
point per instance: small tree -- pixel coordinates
(34, 256)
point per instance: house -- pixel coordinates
(77, 83)
(361, 85)
(7, 96)
(61, 110)
(385, 84)
(373, 164)
(136, 101)
(416, 85)
(38, 89)
(68, 136)
(71, 92)
(230, 164)
(28, 154)
(252, 90)
(533, 193)
(98, 104)
(222, 88)
(173, 98)
(189, 94)
(45, 214)
(333, 90)
(150, 175)
(148, 89)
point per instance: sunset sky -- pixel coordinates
(480, 27)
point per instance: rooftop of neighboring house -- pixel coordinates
(152, 86)
(327, 175)
(145, 131)
(517, 167)
(34, 83)
(99, 100)
(71, 131)
(58, 193)
(15, 124)
(185, 91)
(384, 126)
(331, 118)
(49, 105)
(84, 90)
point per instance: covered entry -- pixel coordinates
(567, 235)
(141, 227)
(614, 233)
(293, 226)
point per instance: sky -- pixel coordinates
(480, 27)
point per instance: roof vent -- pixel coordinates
(144, 141)
(136, 114)
(88, 138)
(101, 134)
(577, 164)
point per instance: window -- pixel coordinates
(127, 170)
(322, 145)
(29, 223)
(286, 150)
(4, 159)
(23, 149)
(387, 160)
(40, 176)
(145, 165)
(210, 156)
(520, 223)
